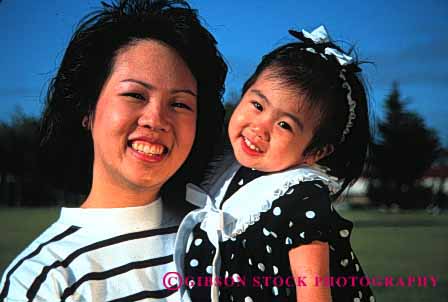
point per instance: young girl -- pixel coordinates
(267, 230)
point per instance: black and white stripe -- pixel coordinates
(71, 263)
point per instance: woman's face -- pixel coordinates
(145, 119)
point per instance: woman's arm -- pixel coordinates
(311, 261)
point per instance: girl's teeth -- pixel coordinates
(250, 145)
(148, 149)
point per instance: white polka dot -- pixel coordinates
(226, 275)
(357, 267)
(344, 262)
(353, 255)
(277, 211)
(232, 256)
(198, 242)
(290, 191)
(261, 267)
(356, 300)
(274, 235)
(344, 233)
(231, 298)
(275, 291)
(288, 241)
(332, 248)
(241, 182)
(194, 263)
(310, 214)
(268, 249)
(275, 269)
(190, 239)
(236, 278)
(244, 243)
(291, 224)
(360, 294)
(266, 232)
(250, 261)
(209, 269)
(302, 234)
(191, 284)
(288, 292)
(248, 299)
(372, 299)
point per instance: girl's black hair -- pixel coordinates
(317, 81)
(67, 149)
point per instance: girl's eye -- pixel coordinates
(135, 95)
(257, 105)
(285, 125)
(182, 106)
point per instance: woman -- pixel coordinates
(133, 104)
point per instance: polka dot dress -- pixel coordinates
(255, 265)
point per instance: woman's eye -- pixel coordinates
(285, 125)
(135, 95)
(257, 105)
(182, 106)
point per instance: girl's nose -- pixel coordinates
(260, 130)
(154, 116)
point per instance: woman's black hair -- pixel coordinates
(317, 79)
(66, 147)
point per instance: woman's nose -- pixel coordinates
(154, 116)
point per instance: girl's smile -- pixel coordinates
(271, 126)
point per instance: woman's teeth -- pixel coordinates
(148, 149)
(250, 145)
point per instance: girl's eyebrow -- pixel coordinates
(290, 115)
(152, 87)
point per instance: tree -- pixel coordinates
(230, 103)
(19, 143)
(405, 150)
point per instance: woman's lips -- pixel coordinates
(148, 151)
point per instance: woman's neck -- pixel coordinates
(111, 195)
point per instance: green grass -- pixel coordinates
(403, 244)
(19, 226)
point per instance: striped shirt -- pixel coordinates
(118, 254)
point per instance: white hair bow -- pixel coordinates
(319, 36)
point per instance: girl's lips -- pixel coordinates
(247, 149)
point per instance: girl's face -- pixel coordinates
(145, 119)
(271, 127)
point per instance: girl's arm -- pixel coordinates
(311, 261)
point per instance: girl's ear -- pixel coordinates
(319, 154)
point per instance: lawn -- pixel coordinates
(387, 244)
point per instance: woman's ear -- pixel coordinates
(87, 121)
(315, 156)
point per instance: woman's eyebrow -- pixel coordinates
(152, 87)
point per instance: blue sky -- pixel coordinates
(407, 41)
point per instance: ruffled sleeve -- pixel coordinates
(300, 216)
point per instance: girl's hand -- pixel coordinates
(311, 261)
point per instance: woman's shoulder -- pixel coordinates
(21, 276)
